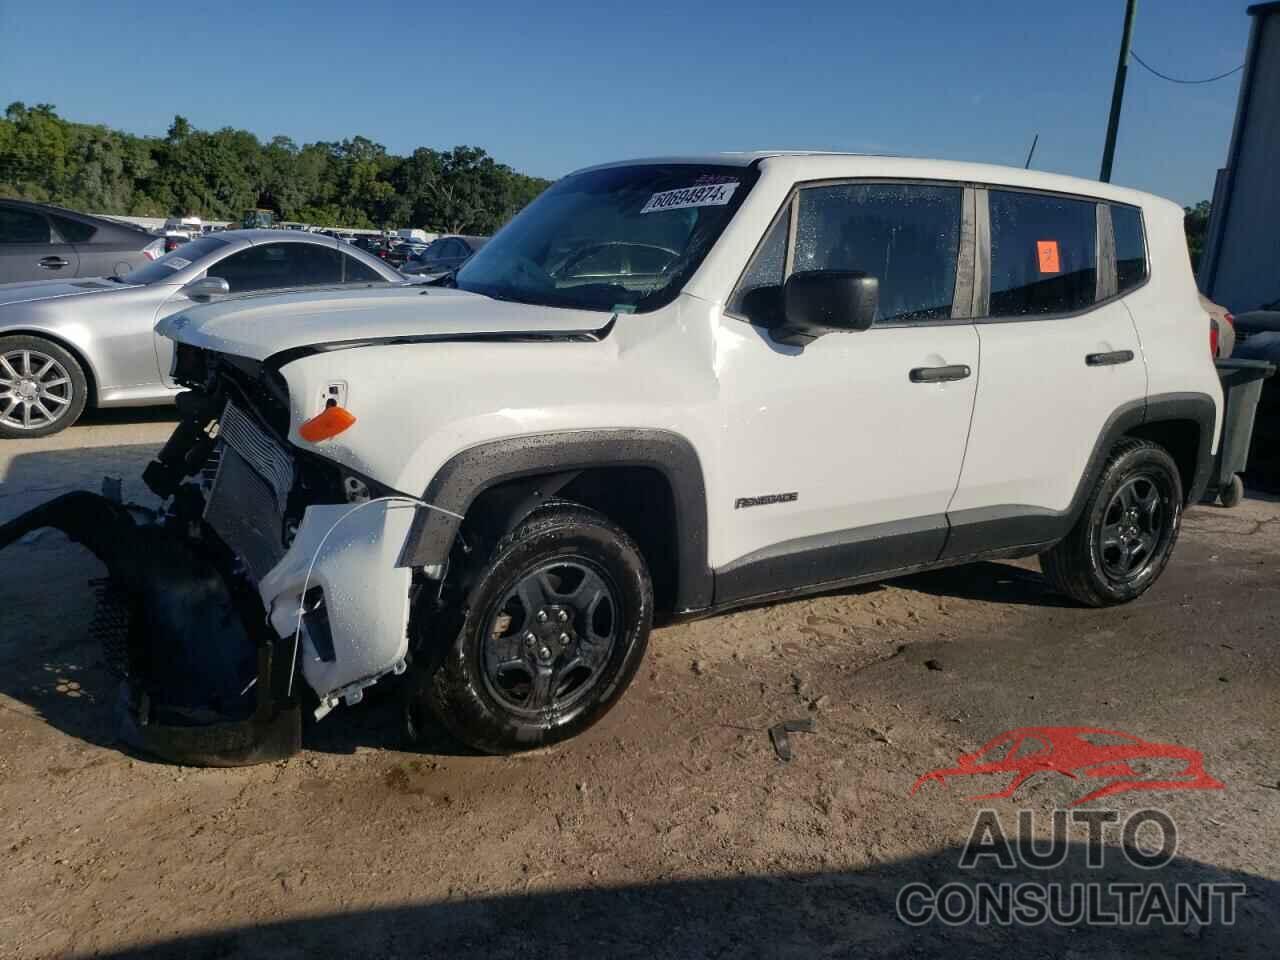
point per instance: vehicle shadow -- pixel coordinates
(990, 582)
(836, 913)
(99, 416)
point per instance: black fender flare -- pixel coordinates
(1198, 407)
(469, 473)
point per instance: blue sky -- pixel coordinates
(548, 86)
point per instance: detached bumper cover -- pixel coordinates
(199, 689)
(355, 624)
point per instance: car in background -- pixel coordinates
(39, 241)
(67, 344)
(443, 255)
(400, 250)
(1222, 328)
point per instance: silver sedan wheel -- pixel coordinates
(35, 390)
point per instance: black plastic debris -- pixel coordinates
(781, 742)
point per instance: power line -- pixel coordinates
(1165, 76)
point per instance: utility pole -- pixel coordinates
(1117, 94)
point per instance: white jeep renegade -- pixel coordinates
(671, 387)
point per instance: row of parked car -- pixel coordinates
(80, 297)
(40, 241)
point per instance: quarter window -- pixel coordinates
(358, 272)
(1131, 247)
(759, 293)
(73, 231)
(1043, 254)
(905, 235)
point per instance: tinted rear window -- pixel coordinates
(1043, 254)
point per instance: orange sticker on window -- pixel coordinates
(1047, 250)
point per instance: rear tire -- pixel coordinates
(1126, 532)
(554, 629)
(43, 389)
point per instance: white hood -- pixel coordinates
(260, 326)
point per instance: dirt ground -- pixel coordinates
(671, 828)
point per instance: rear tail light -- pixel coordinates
(154, 250)
(1214, 337)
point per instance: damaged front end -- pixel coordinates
(262, 565)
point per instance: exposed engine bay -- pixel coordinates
(265, 565)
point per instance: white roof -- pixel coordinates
(818, 165)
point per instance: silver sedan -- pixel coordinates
(68, 344)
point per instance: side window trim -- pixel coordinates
(982, 255)
(963, 302)
(793, 224)
(1106, 245)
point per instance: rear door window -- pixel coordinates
(905, 235)
(1131, 247)
(357, 272)
(23, 226)
(1043, 254)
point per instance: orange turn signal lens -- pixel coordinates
(328, 424)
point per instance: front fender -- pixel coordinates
(466, 475)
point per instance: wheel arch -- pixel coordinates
(650, 482)
(81, 357)
(1183, 424)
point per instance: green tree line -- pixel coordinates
(220, 174)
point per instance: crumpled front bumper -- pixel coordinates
(201, 685)
(207, 681)
(340, 574)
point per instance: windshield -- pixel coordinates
(162, 270)
(621, 238)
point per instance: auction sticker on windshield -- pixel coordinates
(177, 263)
(708, 195)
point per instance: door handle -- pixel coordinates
(1108, 359)
(54, 263)
(956, 371)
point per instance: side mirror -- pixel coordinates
(826, 301)
(206, 288)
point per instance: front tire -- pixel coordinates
(1126, 533)
(43, 389)
(554, 629)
